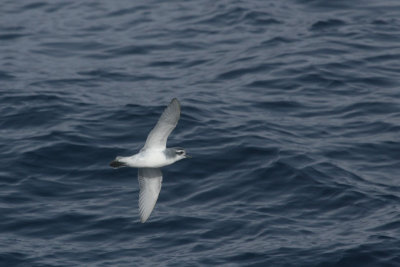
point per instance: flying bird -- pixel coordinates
(152, 157)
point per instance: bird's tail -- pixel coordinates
(117, 163)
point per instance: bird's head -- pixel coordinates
(179, 153)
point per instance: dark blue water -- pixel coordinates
(291, 110)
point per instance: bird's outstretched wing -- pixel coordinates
(150, 185)
(157, 138)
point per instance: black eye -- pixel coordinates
(180, 152)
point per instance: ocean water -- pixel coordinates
(290, 109)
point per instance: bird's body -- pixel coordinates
(148, 158)
(153, 156)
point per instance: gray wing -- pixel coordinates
(157, 138)
(150, 185)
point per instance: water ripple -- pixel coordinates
(290, 110)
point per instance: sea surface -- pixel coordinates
(290, 109)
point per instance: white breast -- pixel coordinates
(148, 159)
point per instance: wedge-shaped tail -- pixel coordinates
(117, 163)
